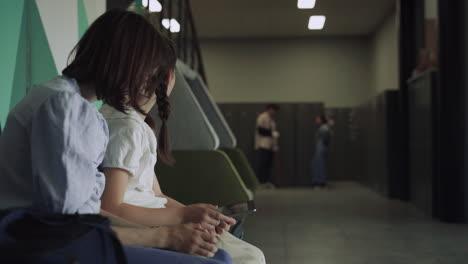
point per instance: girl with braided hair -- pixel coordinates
(130, 156)
(132, 189)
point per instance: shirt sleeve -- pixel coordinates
(67, 142)
(124, 150)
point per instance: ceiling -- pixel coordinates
(282, 18)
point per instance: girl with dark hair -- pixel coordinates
(55, 138)
(319, 161)
(132, 188)
(129, 167)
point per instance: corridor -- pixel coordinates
(350, 224)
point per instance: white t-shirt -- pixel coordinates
(133, 147)
(265, 121)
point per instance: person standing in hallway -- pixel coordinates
(319, 161)
(266, 144)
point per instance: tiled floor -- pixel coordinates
(350, 224)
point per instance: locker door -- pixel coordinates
(284, 168)
(339, 159)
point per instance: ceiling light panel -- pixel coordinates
(317, 22)
(171, 24)
(175, 26)
(166, 22)
(305, 4)
(154, 6)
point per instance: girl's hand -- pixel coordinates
(207, 217)
(192, 239)
(222, 228)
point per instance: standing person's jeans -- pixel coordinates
(319, 164)
(264, 164)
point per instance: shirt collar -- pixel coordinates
(111, 113)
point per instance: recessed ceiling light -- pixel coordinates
(154, 6)
(171, 24)
(316, 22)
(305, 4)
(175, 26)
(166, 22)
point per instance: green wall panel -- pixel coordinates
(26, 58)
(82, 19)
(11, 16)
(20, 78)
(42, 62)
(98, 104)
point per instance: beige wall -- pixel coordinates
(340, 72)
(384, 57)
(331, 70)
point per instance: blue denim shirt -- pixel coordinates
(51, 147)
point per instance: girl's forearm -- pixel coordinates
(171, 203)
(118, 221)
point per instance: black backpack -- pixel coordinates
(27, 236)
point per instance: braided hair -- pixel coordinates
(164, 110)
(164, 57)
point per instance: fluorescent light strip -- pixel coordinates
(171, 24)
(305, 4)
(317, 22)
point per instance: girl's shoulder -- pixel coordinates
(118, 122)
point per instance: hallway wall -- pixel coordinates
(356, 79)
(341, 72)
(384, 57)
(330, 70)
(37, 36)
(377, 138)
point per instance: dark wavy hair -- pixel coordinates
(124, 56)
(273, 106)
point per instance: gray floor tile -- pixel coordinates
(350, 224)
